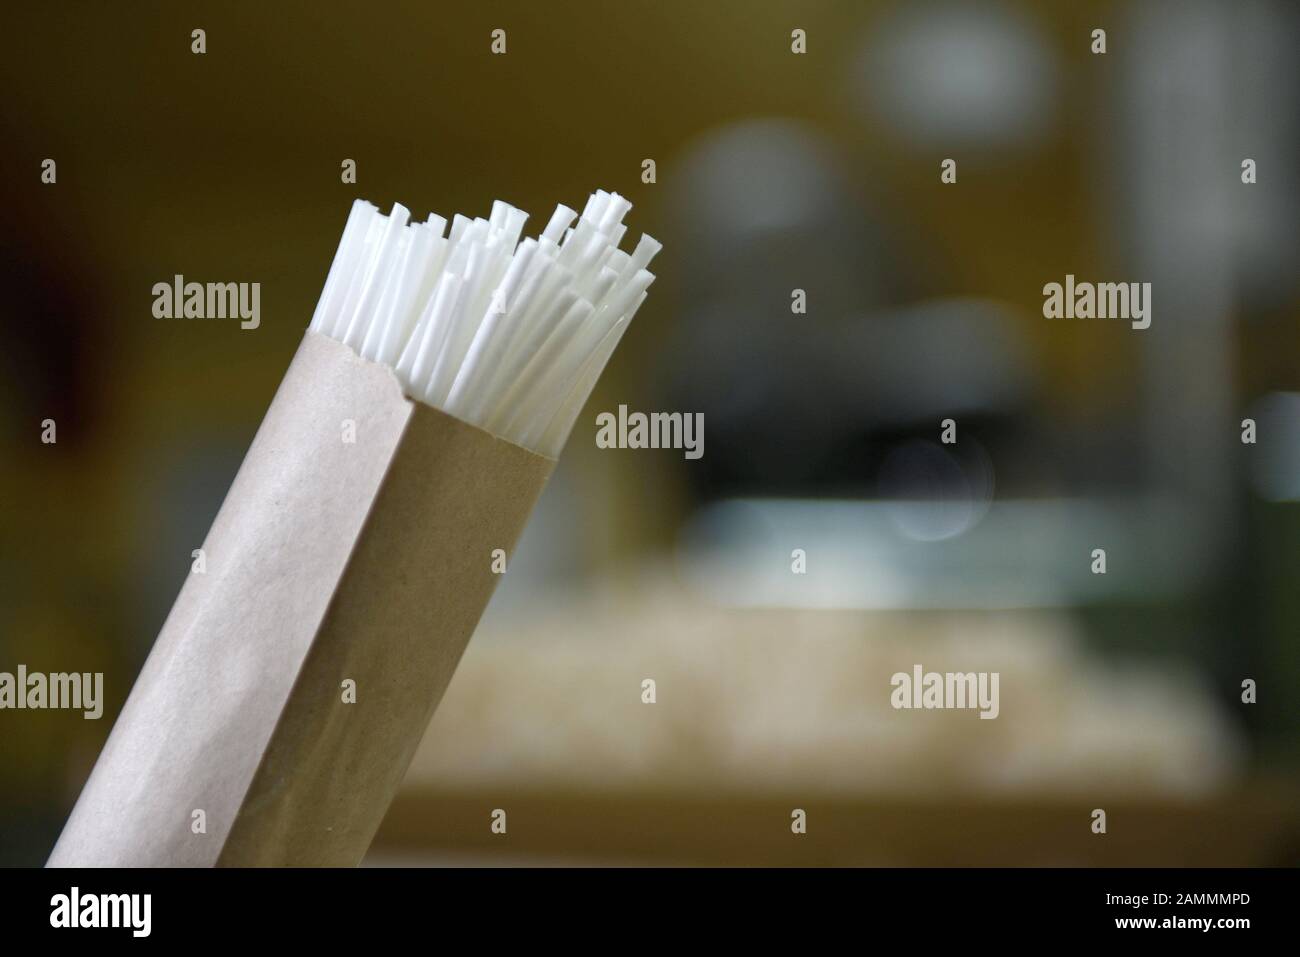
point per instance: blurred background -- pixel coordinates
(775, 172)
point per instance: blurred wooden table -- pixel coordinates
(1255, 826)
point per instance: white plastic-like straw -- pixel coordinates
(508, 335)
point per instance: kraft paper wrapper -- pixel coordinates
(328, 561)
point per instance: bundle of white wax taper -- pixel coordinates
(510, 336)
(359, 543)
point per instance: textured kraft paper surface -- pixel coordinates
(327, 561)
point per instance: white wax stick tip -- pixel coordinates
(509, 334)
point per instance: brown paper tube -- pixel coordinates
(330, 561)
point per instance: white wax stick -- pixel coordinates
(518, 268)
(595, 204)
(381, 268)
(406, 303)
(560, 221)
(575, 243)
(514, 228)
(344, 258)
(600, 287)
(587, 262)
(614, 212)
(378, 322)
(438, 256)
(465, 321)
(515, 333)
(539, 370)
(405, 366)
(603, 200)
(508, 334)
(624, 312)
(547, 248)
(553, 295)
(493, 404)
(552, 284)
(647, 248)
(618, 261)
(529, 272)
(376, 223)
(502, 331)
(436, 332)
(616, 234)
(557, 433)
(461, 397)
(540, 404)
(621, 298)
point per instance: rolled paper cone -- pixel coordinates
(354, 554)
(282, 702)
